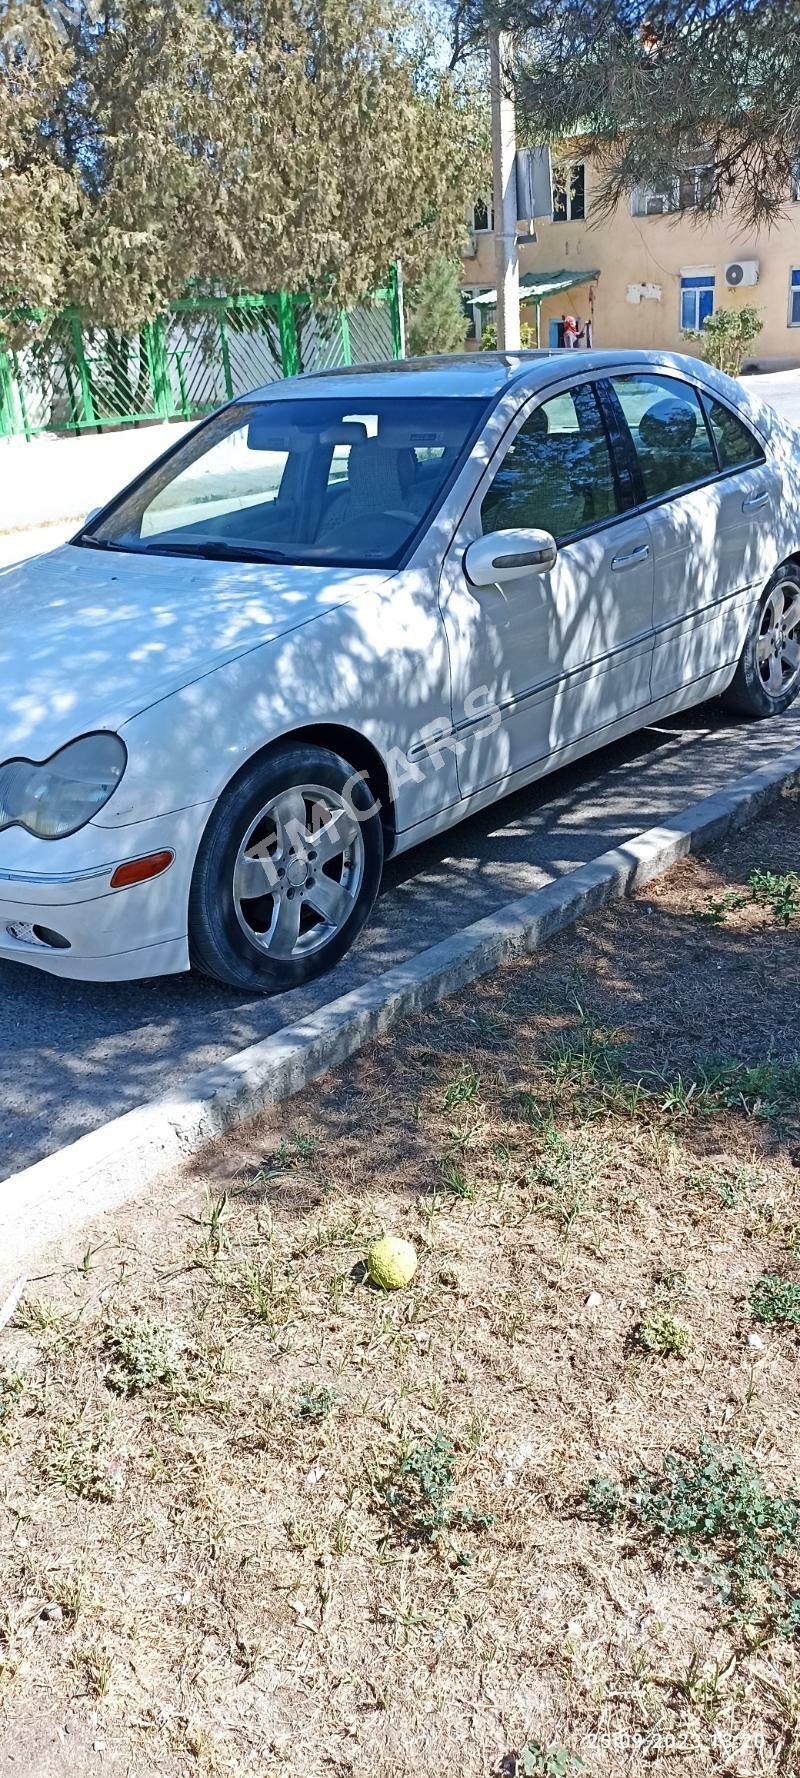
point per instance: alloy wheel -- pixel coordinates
(778, 644)
(298, 871)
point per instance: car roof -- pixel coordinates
(480, 374)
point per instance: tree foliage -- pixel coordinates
(153, 144)
(37, 190)
(437, 322)
(657, 85)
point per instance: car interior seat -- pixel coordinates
(379, 478)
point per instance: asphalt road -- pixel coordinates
(73, 1056)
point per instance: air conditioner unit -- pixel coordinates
(741, 271)
(471, 249)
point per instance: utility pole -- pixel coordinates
(504, 193)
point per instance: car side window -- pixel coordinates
(558, 472)
(669, 432)
(735, 444)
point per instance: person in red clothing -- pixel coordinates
(575, 335)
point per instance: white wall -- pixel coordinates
(56, 481)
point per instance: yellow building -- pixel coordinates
(649, 273)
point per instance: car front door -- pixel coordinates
(556, 655)
(710, 498)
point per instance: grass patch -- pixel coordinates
(554, 1761)
(81, 1460)
(715, 1510)
(462, 1089)
(143, 1354)
(416, 1493)
(777, 890)
(315, 1404)
(776, 1301)
(662, 1333)
(719, 907)
(780, 890)
(11, 1387)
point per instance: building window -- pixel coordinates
(482, 221)
(794, 297)
(796, 185)
(697, 300)
(695, 186)
(477, 315)
(653, 203)
(569, 194)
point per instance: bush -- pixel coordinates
(726, 336)
(527, 337)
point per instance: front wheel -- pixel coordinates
(287, 872)
(767, 678)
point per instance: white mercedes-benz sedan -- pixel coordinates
(348, 610)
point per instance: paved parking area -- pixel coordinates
(72, 1056)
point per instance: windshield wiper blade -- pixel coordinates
(101, 543)
(217, 552)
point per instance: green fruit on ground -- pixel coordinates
(391, 1263)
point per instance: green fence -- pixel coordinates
(71, 377)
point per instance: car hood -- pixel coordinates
(89, 639)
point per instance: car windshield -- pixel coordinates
(341, 481)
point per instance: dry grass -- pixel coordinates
(259, 1519)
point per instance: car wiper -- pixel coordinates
(102, 543)
(216, 552)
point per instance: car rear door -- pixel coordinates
(708, 492)
(558, 655)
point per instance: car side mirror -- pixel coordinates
(509, 555)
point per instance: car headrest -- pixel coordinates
(538, 425)
(669, 425)
(377, 474)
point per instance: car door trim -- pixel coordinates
(569, 679)
(699, 613)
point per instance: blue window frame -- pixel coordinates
(794, 298)
(697, 300)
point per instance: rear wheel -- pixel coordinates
(767, 678)
(287, 872)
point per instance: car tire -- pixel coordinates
(767, 678)
(287, 872)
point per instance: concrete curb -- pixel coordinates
(113, 1164)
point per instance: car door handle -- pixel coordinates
(753, 501)
(632, 559)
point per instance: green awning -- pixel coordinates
(535, 286)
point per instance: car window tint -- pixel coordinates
(669, 432)
(557, 474)
(735, 444)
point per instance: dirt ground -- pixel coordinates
(538, 1508)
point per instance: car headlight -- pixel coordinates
(55, 797)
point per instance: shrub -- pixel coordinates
(726, 336)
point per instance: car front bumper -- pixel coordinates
(63, 916)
